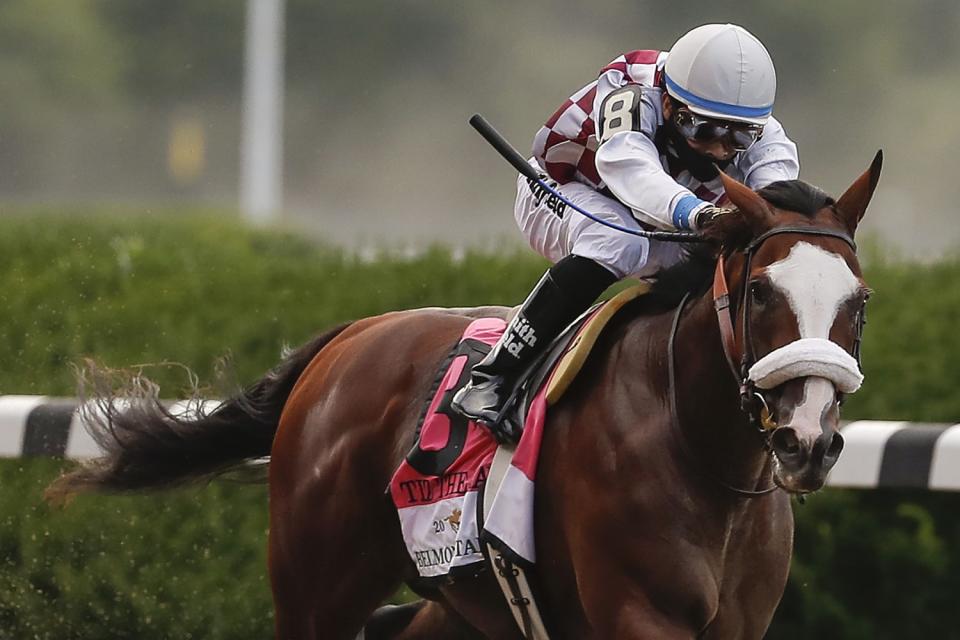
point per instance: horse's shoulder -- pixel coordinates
(633, 345)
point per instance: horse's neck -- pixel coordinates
(714, 429)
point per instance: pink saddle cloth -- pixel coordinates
(438, 487)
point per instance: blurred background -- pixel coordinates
(139, 103)
(127, 236)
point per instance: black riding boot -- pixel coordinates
(564, 292)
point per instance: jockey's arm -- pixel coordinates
(629, 164)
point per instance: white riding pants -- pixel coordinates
(555, 231)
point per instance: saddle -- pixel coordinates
(559, 365)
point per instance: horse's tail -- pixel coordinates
(146, 445)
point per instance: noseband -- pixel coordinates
(752, 402)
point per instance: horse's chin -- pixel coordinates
(806, 481)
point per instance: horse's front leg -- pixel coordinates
(758, 565)
(631, 615)
(421, 620)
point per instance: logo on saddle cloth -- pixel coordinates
(454, 519)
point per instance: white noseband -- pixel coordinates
(807, 357)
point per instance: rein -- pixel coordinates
(752, 402)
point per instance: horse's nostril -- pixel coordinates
(786, 443)
(836, 446)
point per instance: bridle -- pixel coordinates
(751, 401)
(740, 360)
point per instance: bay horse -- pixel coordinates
(654, 512)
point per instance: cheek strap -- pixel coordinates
(807, 357)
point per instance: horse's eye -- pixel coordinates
(758, 292)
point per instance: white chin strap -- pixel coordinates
(807, 357)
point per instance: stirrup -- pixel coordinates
(503, 425)
(500, 421)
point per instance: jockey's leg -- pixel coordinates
(589, 257)
(563, 293)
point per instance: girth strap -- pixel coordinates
(511, 577)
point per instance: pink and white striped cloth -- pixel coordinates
(438, 513)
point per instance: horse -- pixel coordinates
(662, 504)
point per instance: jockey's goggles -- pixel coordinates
(739, 135)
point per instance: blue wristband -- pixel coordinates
(681, 212)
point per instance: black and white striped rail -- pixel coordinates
(41, 426)
(899, 454)
(876, 453)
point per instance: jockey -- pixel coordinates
(639, 147)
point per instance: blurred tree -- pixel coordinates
(53, 52)
(177, 50)
(334, 49)
(340, 47)
(54, 57)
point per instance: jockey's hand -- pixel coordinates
(717, 224)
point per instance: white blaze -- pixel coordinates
(818, 396)
(816, 283)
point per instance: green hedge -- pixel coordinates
(192, 289)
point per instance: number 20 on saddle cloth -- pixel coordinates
(437, 489)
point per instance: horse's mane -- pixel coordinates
(693, 274)
(796, 195)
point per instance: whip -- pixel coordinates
(508, 153)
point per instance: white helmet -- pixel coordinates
(722, 71)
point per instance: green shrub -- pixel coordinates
(185, 564)
(192, 289)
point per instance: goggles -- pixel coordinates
(693, 127)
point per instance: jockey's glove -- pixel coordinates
(709, 216)
(721, 226)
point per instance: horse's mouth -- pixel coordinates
(808, 480)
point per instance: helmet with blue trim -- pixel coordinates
(722, 71)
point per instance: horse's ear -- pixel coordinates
(853, 203)
(755, 210)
